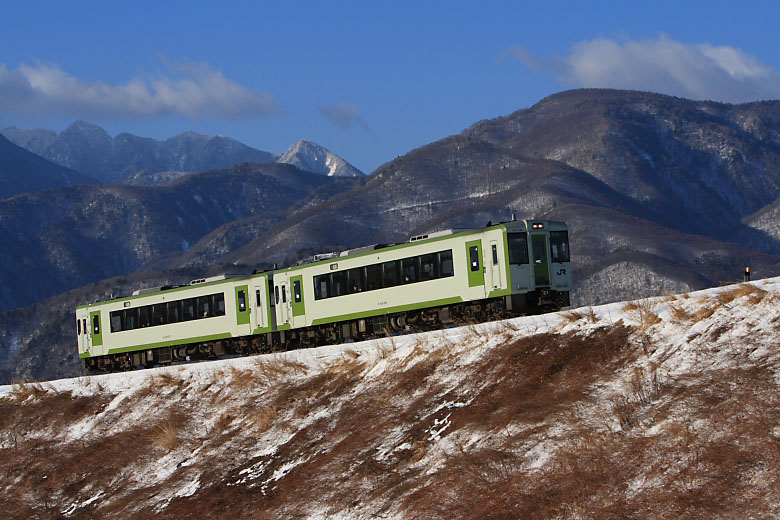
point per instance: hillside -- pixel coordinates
(22, 171)
(62, 239)
(661, 408)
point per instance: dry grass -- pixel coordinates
(643, 310)
(344, 366)
(572, 316)
(679, 314)
(752, 292)
(161, 383)
(164, 435)
(263, 419)
(279, 367)
(222, 423)
(22, 392)
(241, 378)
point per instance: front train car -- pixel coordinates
(539, 265)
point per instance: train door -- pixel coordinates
(541, 261)
(283, 304)
(83, 333)
(243, 310)
(493, 267)
(297, 302)
(259, 304)
(476, 269)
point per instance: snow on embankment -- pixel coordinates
(658, 408)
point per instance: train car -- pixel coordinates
(444, 277)
(168, 324)
(451, 276)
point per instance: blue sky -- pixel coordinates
(368, 80)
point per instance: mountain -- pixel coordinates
(312, 157)
(87, 148)
(658, 191)
(61, 239)
(140, 161)
(697, 166)
(651, 409)
(22, 171)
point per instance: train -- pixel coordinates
(430, 281)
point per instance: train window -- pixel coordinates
(131, 319)
(219, 304)
(78, 326)
(495, 254)
(410, 269)
(559, 246)
(96, 324)
(85, 325)
(205, 308)
(144, 318)
(276, 294)
(116, 321)
(241, 301)
(297, 296)
(518, 248)
(373, 277)
(540, 252)
(355, 281)
(189, 309)
(257, 298)
(321, 284)
(445, 264)
(474, 258)
(428, 267)
(160, 313)
(389, 274)
(339, 283)
(284, 294)
(174, 311)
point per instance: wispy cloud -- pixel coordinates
(343, 115)
(191, 90)
(699, 71)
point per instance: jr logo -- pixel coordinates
(561, 272)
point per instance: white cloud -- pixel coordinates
(191, 90)
(700, 71)
(343, 114)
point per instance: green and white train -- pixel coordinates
(454, 276)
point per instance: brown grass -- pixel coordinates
(22, 392)
(679, 314)
(264, 418)
(279, 367)
(161, 383)
(164, 435)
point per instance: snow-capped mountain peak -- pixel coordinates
(308, 155)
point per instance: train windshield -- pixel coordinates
(518, 248)
(559, 246)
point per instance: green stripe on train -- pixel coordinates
(389, 310)
(187, 341)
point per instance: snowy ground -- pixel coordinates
(656, 408)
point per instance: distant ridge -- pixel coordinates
(88, 149)
(22, 171)
(129, 159)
